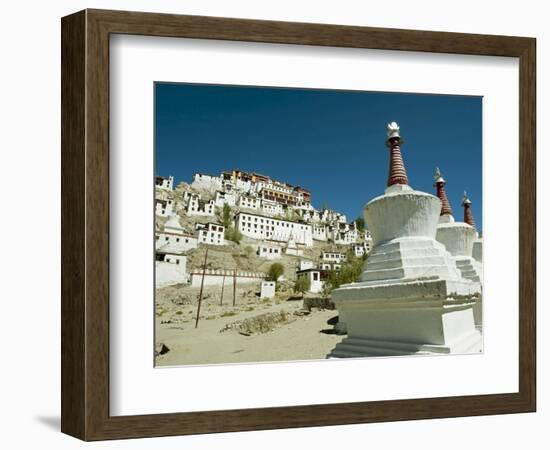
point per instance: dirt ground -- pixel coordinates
(253, 330)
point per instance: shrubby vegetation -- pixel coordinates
(275, 271)
(302, 285)
(249, 251)
(232, 234)
(291, 214)
(225, 216)
(350, 272)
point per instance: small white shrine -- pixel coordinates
(292, 248)
(411, 298)
(267, 289)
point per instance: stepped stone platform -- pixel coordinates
(410, 317)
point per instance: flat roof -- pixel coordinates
(323, 271)
(176, 234)
(210, 223)
(168, 252)
(272, 218)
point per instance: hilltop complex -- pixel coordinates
(276, 218)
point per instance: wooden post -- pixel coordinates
(202, 286)
(223, 285)
(234, 286)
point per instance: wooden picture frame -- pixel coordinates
(85, 224)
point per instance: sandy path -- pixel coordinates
(299, 340)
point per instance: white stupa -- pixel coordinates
(477, 248)
(476, 257)
(173, 225)
(457, 237)
(291, 246)
(411, 298)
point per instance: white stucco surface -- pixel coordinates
(168, 273)
(402, 213)
(411, 297)
(267, 289)
(409, 258)
(423, 316)
(220, 277)
(477, 250)
(457, 237)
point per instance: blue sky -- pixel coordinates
(331, 142)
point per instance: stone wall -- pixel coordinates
(216, 277)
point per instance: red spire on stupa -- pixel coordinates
(397, 173)
(441, 194)
(468, 215)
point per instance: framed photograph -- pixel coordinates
(273, 225)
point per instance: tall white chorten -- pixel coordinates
(411, 298)
(173, 225)
(477, 249)
(476, 257)
(457, 237)
(172, 229)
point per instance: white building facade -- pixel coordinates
(345, 233)
(198, 207)
(271, 208)
(165, 183)
(181, 242)
(164, 208)
(360, 249)
(224, 198)
(170, 268)
(249, 202)
(174, 236)
(269, 251)
(211, 233)
(263, 227)
(333, 257)
(320, 232)
(316, 279)
(267, 289)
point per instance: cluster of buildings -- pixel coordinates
(278, 215)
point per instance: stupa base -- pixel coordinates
(431, 316)
(356, 347)
(469, 268)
